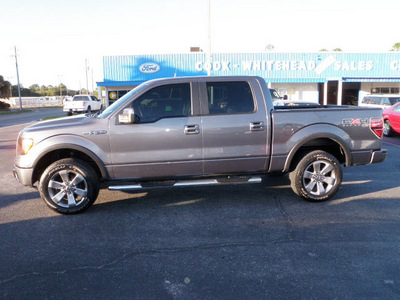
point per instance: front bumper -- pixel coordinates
(23, 175)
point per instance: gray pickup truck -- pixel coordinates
(195, 131)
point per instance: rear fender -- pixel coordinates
(309, 136)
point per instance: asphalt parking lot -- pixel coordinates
(255, 241)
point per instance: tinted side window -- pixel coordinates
(394, 100)
(374, 100)
(172, 100)
(365, 100)
(385, 101)
(229, 97)
(80, 98)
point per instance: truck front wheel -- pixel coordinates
(69, 186)
(317, 177)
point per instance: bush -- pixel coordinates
(4, 106)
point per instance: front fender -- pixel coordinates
(97, 149)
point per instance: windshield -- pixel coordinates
(121, 101)
(80, 98)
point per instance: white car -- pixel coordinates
(380, 100)
(82, 103)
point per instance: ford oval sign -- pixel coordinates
(149, 68)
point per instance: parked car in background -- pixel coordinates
(299, 103)
(380, 100)
(391, 117)
(67, 98)
(82, 103)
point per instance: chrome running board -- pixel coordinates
(184, 183)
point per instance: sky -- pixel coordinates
(55, 40)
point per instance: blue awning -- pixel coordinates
(380, 79)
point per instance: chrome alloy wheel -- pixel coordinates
(319, 177)
(386, 128)
(67, 188)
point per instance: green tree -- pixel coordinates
(4, 88)
(395, 47)
(35, 88)
(24, 92)
(269, 48)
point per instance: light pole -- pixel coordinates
(59, 77)
(208, 38)
(19, 87)
(87, 81)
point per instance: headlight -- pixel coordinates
(24, 145)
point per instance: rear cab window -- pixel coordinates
(233, 97)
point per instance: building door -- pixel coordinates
(350, 93)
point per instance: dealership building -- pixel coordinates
(324, 77)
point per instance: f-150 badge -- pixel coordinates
(95, 132)
(354, 122)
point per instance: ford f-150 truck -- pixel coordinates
(196, 131)
(82, 103)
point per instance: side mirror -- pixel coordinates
(128, 117)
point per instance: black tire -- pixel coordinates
(317, 176)
(69, 186)
(89, 110)
(387, 129)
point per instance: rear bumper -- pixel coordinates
(73, 109)
(378, 156)
(368, 157)
(24, 176)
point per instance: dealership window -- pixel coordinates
(165, 101)
(229, 97)
(385, 90)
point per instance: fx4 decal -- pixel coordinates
(355, 122)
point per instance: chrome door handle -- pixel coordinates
(257, 126)
(192, 129)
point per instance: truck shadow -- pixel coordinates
(272, 188)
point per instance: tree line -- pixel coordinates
(7, 90)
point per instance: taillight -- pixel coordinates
(376, 126)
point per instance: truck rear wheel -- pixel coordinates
(69, 186)
(317, 177)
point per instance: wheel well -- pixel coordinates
(323, 144)
(55, 155)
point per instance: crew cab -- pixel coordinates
(195, 131)
(82, 103)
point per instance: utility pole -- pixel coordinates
(87, 81)
(208, 39)
(19, 87)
